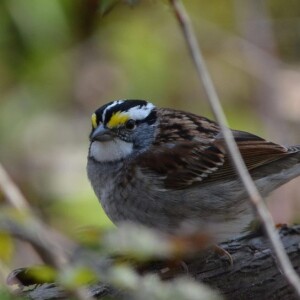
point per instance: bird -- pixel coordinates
(170, 170)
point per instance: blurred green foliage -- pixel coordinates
(6, 247)
(60, 60)
(113, 259)
(6, 295)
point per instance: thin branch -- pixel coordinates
(257, 201)
(57, 245)
(23, 233)
(50, 245)
(255, 53)
(54, 243)
(12, 192)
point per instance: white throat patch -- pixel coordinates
(111, 150)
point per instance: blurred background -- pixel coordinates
(62, 59)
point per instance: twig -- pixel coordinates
(50, 249)
(255, 53)
(11, 191)
(256, 199)
(22, 233)
(51, 246)
(48, 237)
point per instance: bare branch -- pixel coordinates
(56, 245)
(256, 199)
(12, 192)
(50, 245)
(24, 234)
(252, 257)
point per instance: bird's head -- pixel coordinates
(122, 128)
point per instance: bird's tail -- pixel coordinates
(277, 173)
(295, 152)
(294, 149)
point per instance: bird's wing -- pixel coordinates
(255, 151)
(186, 163)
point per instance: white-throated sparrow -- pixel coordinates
(169, 169)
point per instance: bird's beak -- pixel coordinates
(101, 134)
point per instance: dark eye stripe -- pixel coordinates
(151, 118)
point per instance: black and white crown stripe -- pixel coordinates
(139, 110)
(108, 108)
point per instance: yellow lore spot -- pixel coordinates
(117, 119)
(94, 121)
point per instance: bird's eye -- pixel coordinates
(130, 124)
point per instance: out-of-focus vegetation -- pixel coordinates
(60, 60)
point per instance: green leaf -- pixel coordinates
(137, 242)
(183, 288)
(31, 275)
(77, 276)
(90, 236)
(151, 287)
(6, 247)
(42, 273)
